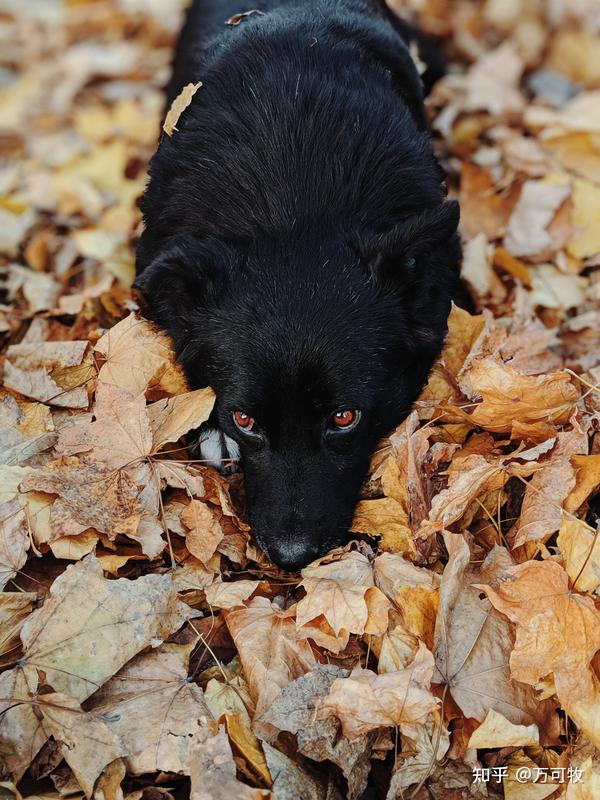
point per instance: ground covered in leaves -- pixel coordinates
(147, 649)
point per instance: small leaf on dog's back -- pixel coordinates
(178, 106)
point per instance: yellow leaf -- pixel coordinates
(178, 106)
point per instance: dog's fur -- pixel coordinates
(299, 250)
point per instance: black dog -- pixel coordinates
(299, 250)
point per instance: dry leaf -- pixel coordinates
(213, 770)
(497, 731)
(153, 710)
(14, 540)
(81, 635)
(173, 418)
(365, 701)
(178, 106)
(580, 547)
(539, 201)
(558, 633)
(319, 739)
(203, 530)
(137, 356)
(270, 651)
(473, 646)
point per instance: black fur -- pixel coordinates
(298, 247)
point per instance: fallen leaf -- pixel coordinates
(213, 770)
(137, 356)
(228, 595)
(294, 710)
(178, 106)
(365, 701)
(558, 632)
(14, 540)
(203, 530)
(21, 732)
(290, 780)
(497, 731)
(28, 370)
(586, 220)
(81, 635)
(153, 710)
(15, 607)
(88, 742)
(172, 418)
(527, 234)
(580, 547)
(270, 651)
(388, 519)
(473, 645)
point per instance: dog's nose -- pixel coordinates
(292, 556)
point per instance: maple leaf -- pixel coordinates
(365, 701)
(343, 592)
(271, 653)
(213, 770)
(558, 633)
(473, 645)
(153, 710)
(29, 369)
(83, 633)
(319, 739)
(497, 731)
(137, 356)
(21, 733)
(580, 547)
(203, 530)
(88, 743)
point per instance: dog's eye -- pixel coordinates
(345, 419)
(243, 421)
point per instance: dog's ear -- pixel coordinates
(392, 256)
(188, 273)
(417, 260)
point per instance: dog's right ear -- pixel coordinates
(188, 274)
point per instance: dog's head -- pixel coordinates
(314, 353)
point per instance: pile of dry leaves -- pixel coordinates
(451, 651)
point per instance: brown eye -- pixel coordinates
(346, 418)
(243, 420)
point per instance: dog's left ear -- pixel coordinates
(392, 256)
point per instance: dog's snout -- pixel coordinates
(292, 554)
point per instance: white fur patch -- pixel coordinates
(217, 449)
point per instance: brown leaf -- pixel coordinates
(88, 740)
(497, 731)
(580, 547)
(228, 595)
(119, 435)
(203, 530)
(558, 633)
(14, 540)
(178, 106)
(28, 369)
(83, 633)
(387, 518)
(341, 591)
(270, 651)
(15, 607)
(319, 739)
(365, 701)
(96, 497)
(473, 644)
(19, 439)
(213, 770)
(138, 356)
(172, 418)
(539, 201)
(507, 396)
(21, 732)
(153, 710)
